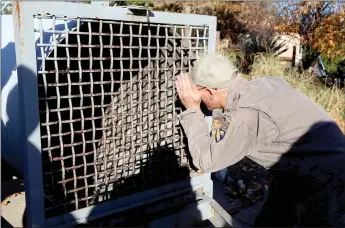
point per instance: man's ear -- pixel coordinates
(210, 93)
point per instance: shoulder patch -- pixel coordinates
(215, 125)
(221, 131)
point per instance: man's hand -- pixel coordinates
(187, 92)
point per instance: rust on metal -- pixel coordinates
(17, 6)
(18, 10)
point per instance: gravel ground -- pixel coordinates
(245, 183)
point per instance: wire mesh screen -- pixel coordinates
(108, 107)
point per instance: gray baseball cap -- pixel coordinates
(213, 71)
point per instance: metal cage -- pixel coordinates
(99, 108)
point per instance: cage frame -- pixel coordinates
(30, 144)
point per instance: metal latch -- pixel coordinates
(139, 10)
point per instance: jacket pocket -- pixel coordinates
(267, 130)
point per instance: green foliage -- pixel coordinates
(7, 11)
(252, 45)
(309, 56)
(334, 66)
(261, 44)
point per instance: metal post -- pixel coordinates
(29, 106)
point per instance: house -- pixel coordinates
(292, 42)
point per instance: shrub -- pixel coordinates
(250, 45)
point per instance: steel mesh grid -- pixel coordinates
(108, 107)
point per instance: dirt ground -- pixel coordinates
(245, 184)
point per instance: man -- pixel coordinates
(276, 126)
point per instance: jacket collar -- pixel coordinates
(233, 94)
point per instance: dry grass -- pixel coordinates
(331, 99)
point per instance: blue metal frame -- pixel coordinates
(29, 107)
(28, 98)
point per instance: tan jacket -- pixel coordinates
(264, 119)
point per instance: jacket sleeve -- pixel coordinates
(209, 154)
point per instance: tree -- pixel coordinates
(320, 25)
(250, 26)
(240, 17)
